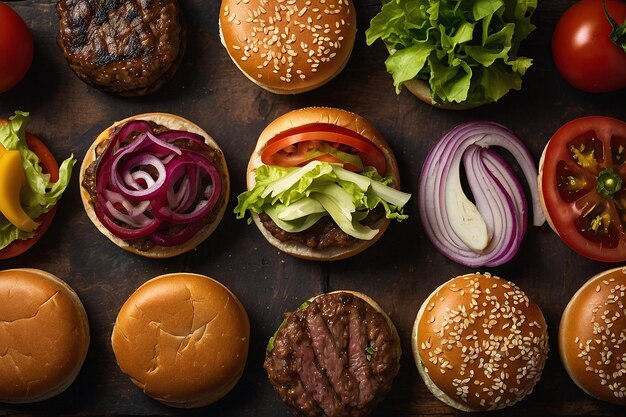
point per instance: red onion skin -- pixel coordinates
(445, 156)
(147, 147)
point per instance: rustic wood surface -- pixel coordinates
(399, 271)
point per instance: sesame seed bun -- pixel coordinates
(183, 339)
(591, 336)
(479, 343)
(326, 115)
(37, 309)
(172, 122)
(288, 47)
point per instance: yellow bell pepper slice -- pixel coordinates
(12, 179)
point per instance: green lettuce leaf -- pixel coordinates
(296, 198)
(40, 194)
(465, 50)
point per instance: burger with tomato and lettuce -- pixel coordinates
(155, 184)
(323, 184)
(31, 183)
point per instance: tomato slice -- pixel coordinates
(50, 166)
(583, 185)
(300, 145)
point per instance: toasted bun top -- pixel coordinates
(482, 341)
(44, 335)
(591, 336)
(183, 339)
(288, 46)
(172, 122)
(326, 115)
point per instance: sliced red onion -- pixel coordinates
(210, 194)
(489, 232)
(149, 188)
(172, 135)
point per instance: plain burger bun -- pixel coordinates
(183, 339)
(44, 335)
(591, 336)
(288, 47)
(172, 122)
(326, 115)
(479, 343)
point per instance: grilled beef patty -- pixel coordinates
(335, 357)
(125, 47)
(325, 233)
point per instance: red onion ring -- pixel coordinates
(498, 219)
(147, 187)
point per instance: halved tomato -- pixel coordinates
(323, 142)
(582, 184)
(50, 166)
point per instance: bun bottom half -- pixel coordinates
(172, 122)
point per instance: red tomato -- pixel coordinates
(49, 165)
(16, 48)
(583, 51)
(582, 183)
(300, 145)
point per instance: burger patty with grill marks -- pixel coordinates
(125, 47)
(337, 356)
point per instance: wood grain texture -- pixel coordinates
(399, 271)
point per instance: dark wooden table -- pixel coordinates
(399, 271)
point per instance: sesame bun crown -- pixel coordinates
(479, 343)
(591, 336)
(288, 46)
(200, 331)
(36, 308)
(337, 117)
(172, 122)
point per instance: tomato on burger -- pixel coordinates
(583, 189)
(31, 183)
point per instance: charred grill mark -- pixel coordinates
(331, 335)
(127, 47)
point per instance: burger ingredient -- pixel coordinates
(490, 231)
(587, 52)
(318, 362)
(16, 48)
(480, 343)
(466, 51)
(296, 198)
(159, 186)
(124, 47)
(591, 341)
(323, 142)
(12, 180)
(582, 185)
(41, 191)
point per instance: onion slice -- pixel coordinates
(489, 231)
(155, 186)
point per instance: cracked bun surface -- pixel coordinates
(44, 335)
(480, 343)
(592, 336)
(183, 339)
(288, 46)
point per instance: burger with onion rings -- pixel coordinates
(155, 184)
